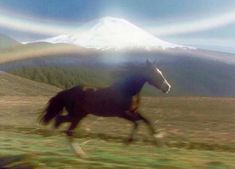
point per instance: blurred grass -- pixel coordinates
(199, 133)
(53, 152)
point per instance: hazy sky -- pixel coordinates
(208, 24)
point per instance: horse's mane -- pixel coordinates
(129, 69)
(127, 72)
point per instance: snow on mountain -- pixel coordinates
(112, 33)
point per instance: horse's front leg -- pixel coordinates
(133, 131)
(157, 136)
(134, 120)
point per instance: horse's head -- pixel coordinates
(155, 77)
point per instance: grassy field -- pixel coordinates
(198, 133)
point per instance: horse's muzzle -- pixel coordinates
(166, 87)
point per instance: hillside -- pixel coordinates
(11, 85)
(189, 73)
(7, 42)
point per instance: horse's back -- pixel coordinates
(74, 96)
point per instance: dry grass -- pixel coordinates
(12, 85)
(197, 120)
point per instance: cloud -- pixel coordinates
(196, 25)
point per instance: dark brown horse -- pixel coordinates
(121, 99)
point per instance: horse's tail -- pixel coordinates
(54, 107)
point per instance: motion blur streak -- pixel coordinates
(11, 21)
(22, 53)
(196, 25)
(32, 25)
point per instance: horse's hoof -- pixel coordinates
(78, 151)
(158, 140)
(159, 135)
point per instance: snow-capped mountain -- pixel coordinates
(112, 33)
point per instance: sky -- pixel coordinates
(208, 24)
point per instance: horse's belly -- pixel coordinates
(105, 106)
(102, 109)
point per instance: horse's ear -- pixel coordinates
(148, 62)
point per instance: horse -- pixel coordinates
(120, 99)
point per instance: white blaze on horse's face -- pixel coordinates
(157, 79)
(162, 82)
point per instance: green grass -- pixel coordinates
(199, 134)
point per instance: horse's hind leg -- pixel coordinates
(75, 147)
(61, 119)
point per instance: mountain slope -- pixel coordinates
(7, 42)
(11, 85)
(112, 34)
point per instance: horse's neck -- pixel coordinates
(131, 85)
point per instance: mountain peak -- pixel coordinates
(113, 33)
(113, 20)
